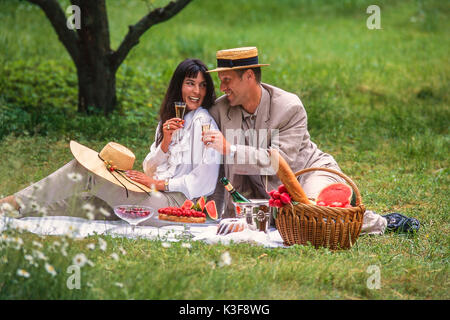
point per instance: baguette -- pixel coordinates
(287, 177)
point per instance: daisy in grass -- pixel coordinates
(50, 269)
(23, 273)
(39, 255)
(35, 206)
(115, 256)
(90, 215)
(165, 244)
(102, 244)
(37, 244)
(225, 259)
(104, 212)
(186, 245)
(80, 259)
(75, 177)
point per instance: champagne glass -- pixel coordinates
(206, 126)
(180, 109)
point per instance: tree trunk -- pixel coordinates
(96, 90)
(96, 76)
(90, 50)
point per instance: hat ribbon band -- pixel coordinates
(111, 169)
(228, 63)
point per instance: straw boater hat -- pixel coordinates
(110, 164)
(237, 58)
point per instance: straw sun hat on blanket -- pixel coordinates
(110, 164)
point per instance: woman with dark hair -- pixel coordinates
(181, 167)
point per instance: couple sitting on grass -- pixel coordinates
(185, 164)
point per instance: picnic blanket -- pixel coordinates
(81, 228)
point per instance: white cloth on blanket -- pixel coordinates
(81, 228)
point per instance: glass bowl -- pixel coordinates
(133, 214)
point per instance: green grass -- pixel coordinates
(377, 100)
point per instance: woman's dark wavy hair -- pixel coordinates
(188, 68)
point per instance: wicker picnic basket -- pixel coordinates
(330, 227)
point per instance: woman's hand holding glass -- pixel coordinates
(169, 128)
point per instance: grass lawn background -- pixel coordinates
(377, 100)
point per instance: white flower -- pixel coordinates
(37, 244)
(102, 244)
(225, 259)
(4, 238)
(50, 269)
(122, 250)
(91, 246)
(6, 207)
(165, 244)
(39, 255)
(23, 273)
(30, 260)
(90, 215)
(88, 207)
(186, 245)
(43, 211)
(79, 260)
(118, 284)
(75, 177)
(104, 212)
(18, 240)
(35, 206)
(115, 256)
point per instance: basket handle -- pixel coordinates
(340, 174)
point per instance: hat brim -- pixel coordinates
(89, 159)
(235, 68)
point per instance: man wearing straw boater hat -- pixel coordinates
(254, 116)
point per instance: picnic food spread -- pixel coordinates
(181, 215)
(190, 212)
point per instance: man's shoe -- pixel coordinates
(399, 223)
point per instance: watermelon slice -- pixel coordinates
(211, 209)
(336, 195)
(201, 203)
(188, 204)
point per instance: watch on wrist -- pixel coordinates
(166, 185)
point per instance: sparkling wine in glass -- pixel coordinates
(180, 109)
(206, 126)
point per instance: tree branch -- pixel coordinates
(57, 18)
(136, 31)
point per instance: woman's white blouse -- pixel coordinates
(190, 167)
